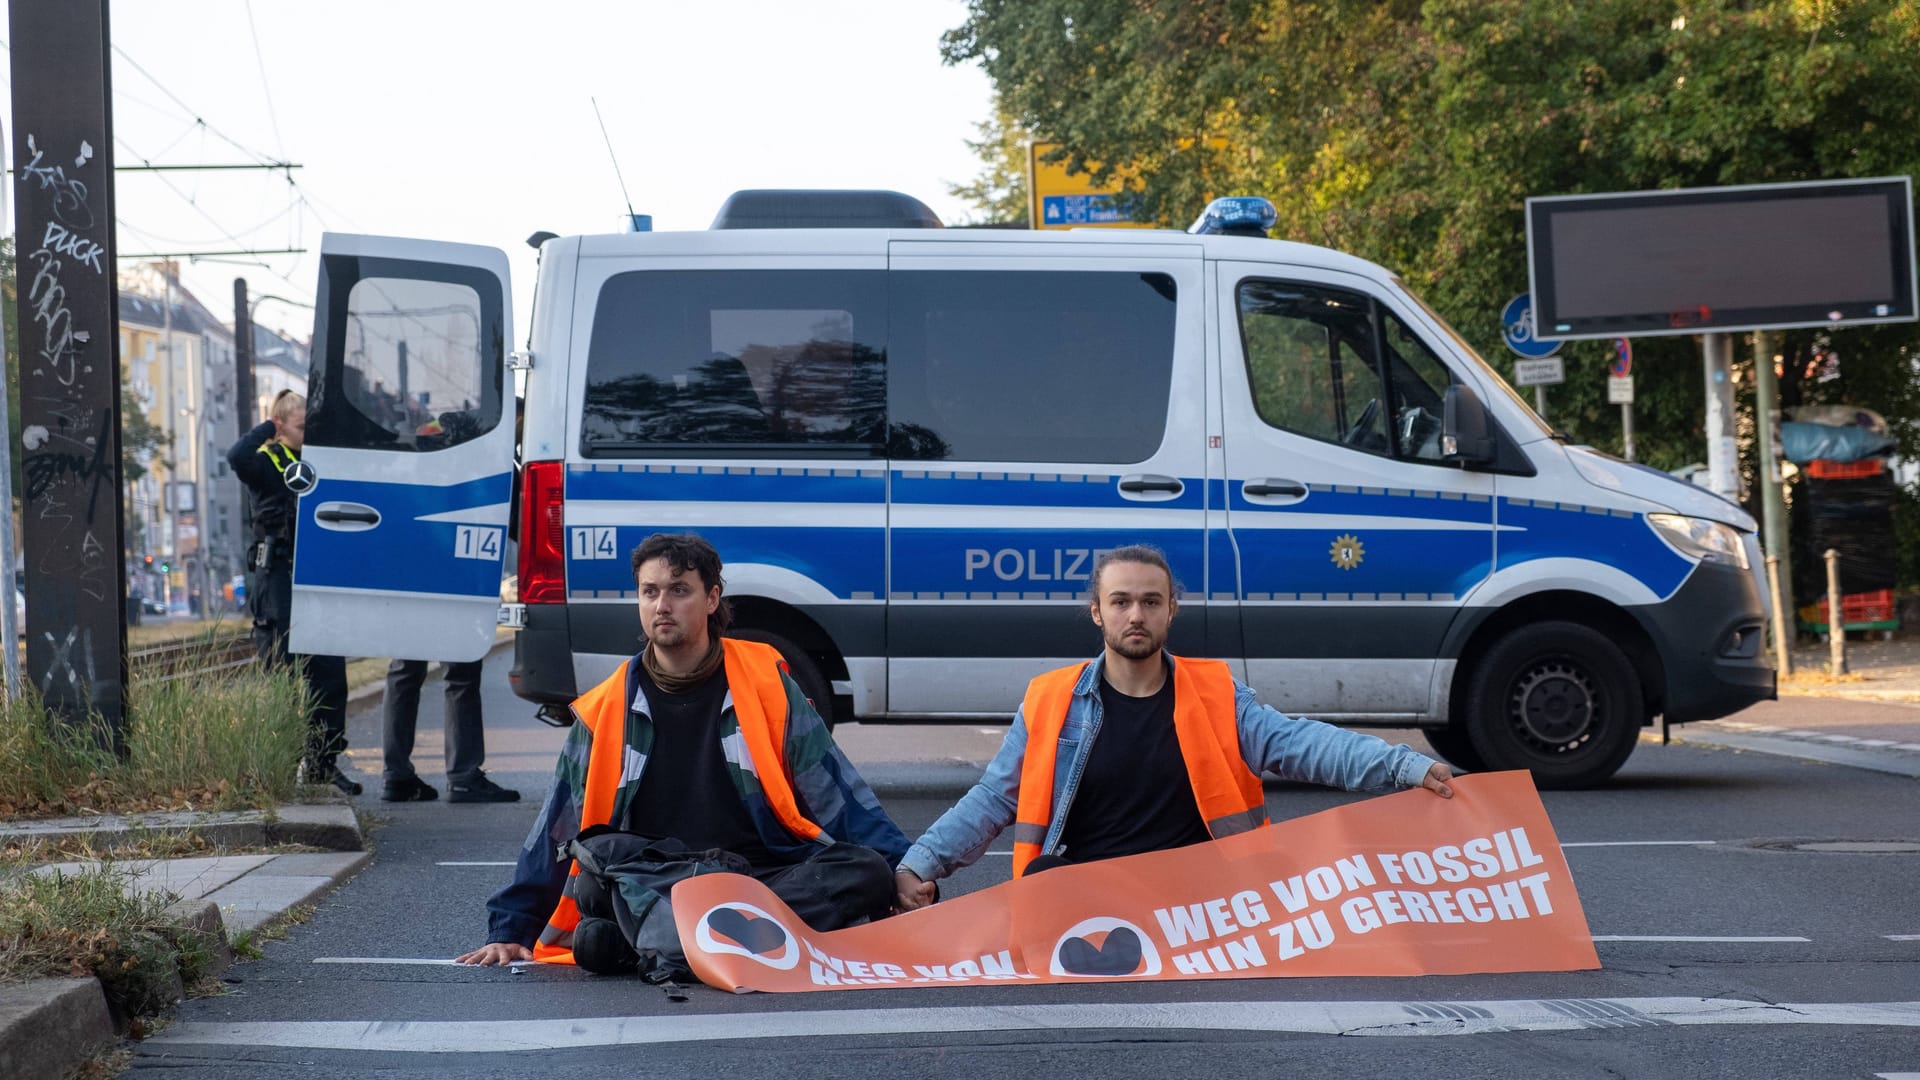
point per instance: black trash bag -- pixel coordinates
(1855, 519)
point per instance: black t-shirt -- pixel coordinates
(1134, 794)
(686, 791)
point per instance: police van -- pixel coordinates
(910, 443)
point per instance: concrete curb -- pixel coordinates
(333, 826)
(48, 1026)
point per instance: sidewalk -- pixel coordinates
(49, 1025)
(1878, 671)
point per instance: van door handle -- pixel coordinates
(353, 512)
(1290, 488)
(1150, 482)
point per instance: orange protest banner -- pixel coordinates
(1405, 884)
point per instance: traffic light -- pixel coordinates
(149, 560)
(165, 568)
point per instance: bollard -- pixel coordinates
(1836, 634)
(1782, 656)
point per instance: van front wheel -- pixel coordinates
(801, 667)
(1558, 699)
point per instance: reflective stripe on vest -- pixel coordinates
(275, 452)
(760, 706)
(1226, 791)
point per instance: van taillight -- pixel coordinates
(543, 533)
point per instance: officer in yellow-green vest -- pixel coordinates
(700, 754)
(265, 460)
(1140, 750)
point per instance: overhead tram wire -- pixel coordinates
(191, 111)
(266, 87)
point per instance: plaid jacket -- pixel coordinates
(828, 789)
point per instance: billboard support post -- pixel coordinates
(1723, 459)
(1773, 512)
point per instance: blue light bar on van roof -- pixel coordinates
(1236, 215)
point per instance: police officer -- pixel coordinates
(264, 459)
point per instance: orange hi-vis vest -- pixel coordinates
(760, 706)
(1229, 795)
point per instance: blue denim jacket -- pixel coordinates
(1293, 748)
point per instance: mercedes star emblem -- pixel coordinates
(300, 477)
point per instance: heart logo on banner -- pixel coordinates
(1119, 954)
(759, 936)
(1124, 950)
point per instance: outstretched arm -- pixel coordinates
(1296, 748)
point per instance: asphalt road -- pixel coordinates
(1688, 844)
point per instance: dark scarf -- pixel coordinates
(680, 684)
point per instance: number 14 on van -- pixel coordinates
(476, 542)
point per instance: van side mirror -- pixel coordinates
(1463, 430)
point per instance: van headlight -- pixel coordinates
(1708, 541)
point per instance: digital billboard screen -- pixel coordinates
(1738, 258)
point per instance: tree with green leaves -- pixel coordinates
(1412, 133)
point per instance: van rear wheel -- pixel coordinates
(801, 667)
(1558, 699)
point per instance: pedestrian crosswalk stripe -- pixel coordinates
(518, 1034)
(1686, 937)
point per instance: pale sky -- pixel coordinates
(473, 121)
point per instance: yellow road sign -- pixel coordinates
(1058, 199)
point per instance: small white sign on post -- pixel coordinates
(1619, 389)
(1549, 372)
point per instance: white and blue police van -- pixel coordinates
(910, 443)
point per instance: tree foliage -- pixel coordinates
(1411, 133)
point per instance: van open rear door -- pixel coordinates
(408, 464)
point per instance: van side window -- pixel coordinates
(1042, 366)
(788, 362)
(1310, 357)
(1316, 357)
(411, 358)
(1420, 384)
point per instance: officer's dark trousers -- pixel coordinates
(837, 886)
(271, 601)
(466, 744)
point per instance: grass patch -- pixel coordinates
(149, 844)
(222, 740)
(160, 633)
(89, 923)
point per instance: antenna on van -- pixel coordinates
(615, 157)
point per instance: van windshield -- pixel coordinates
(1459, 343)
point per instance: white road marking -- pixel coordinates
(1641, 843)
(1688, 937)
(1902, 937)
(1390, 1018)
(1584, 843)
(1897, 1076)
(475, 864)
(426, 961)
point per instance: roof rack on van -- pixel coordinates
(772, 208)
